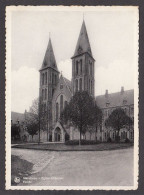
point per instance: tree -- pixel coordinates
(36, 118)
(118, 120)
(15, 132)
(81, 112)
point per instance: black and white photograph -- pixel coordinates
(72, 97)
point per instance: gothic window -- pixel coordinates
(80, 84)
(45, 77)
(57, 111)
(42, 94)
(91, 87)
(55, 79)
(105, 135)
(113, 135)
(76, 85)
(81, 66)
(45, 94)
(61, 86)
(61, 103)
(65, 103)
(52, 78)
(76, 67)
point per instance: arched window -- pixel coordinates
(76, 84)
(46, 78)
(61, 103)
(80, 84)
(57, 111)
(81, 66)
(45, 94)
(76, 67)
(55, 79)
(43, 79)
(52, 78)
(91, 87)
(42, 94)
(65, 103)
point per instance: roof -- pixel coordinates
(15, 117)
(83, 44)
(68, 83)
(49, 59)
(116, 99)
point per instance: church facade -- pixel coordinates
(56, 91)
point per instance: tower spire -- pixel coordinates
(49, 59)
(83, 44)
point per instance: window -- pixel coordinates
(105, 135)
(42, 94)
(52, 78)
(43, 79)
(76, 67)
(45, 94)
(46, 78)
(61, 103)
(55, 79)
(80, 84)
(65, 103)
(124, 102)
(81, 66)
(57, 111)
(76, 85)
(113, 135)
(61, 86)
(91, 87)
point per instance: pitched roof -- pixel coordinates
(116, 99)
(15, 117)
(83, 44)
(68, 83)
(49, 59)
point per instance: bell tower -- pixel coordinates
(49, 77)
(83, 64)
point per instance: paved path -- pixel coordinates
(95, 168)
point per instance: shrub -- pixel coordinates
(127, 140)
(109, 140)
(83, 142)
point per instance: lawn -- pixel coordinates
(19, 168)
(63, 147)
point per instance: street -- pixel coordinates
(79, 168)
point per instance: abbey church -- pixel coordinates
(56, 91)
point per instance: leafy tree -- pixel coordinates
(15, 131)
(81, 112)
(118, 120)
(36, 118)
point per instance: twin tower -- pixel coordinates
(82, 69)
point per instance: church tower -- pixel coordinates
(49, 77)
(83, 64)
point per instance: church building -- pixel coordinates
(56, 91)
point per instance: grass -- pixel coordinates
(63, 147)
(19, 168)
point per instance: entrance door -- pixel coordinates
(57, 135)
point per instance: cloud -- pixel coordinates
(117, 74)
(24, 89)
(25, 81)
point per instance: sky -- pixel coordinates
(112, 36)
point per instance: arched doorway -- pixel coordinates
(57, 135)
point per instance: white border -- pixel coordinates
(10, 9)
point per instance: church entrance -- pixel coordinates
(57, 135)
